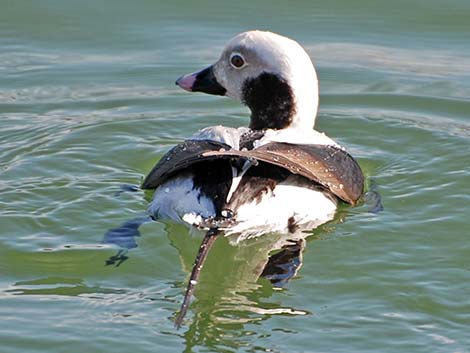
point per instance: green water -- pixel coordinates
(88, 104)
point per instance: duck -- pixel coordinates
(276, 175)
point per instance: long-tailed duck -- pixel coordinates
(276, 175)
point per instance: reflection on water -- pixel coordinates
(231, 291)
(239, 280)
(88, 103)
(237, 275)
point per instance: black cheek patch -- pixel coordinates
(270, 100)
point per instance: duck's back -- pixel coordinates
(245, 190)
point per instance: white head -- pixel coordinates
(271, 74)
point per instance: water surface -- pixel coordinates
(88, 104)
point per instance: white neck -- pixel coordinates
(304, 84)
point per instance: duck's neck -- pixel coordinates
(274, 104)
(304, 85)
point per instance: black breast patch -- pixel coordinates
(270, 100)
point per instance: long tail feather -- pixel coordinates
(204, 248)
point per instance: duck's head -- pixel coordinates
(271, 74)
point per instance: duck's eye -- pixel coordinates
(237, 61)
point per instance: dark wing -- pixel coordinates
(181, 157)
(327, 165)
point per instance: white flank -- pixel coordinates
(308, 208)
(177, 200)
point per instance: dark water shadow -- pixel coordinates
(124, 237)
